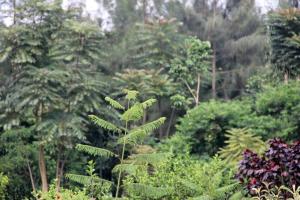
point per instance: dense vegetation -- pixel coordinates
(176, 100)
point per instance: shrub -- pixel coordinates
(64, 194)
(275, 112)
(280, 165)
(183, 177)
(283, 104)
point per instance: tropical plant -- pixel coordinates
(183, 177)
(238, 140)
(278, 166)
(128, 135)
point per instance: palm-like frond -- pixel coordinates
(114, 103)
(95, 151)
(104, 124)
(138, 134)
(85, 180)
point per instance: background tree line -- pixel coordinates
(57, 65)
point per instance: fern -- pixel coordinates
(85, 180)
(130, 94)
(104, 124)
(138, 134)
(134, 113)
(148, 191)
(95, 151)
(114, 103)
(152, 158)
(148, 103)
(130, 168)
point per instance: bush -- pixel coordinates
(182, 178)
(272, 113)
(3, 185)
(64, 194)
(283, 104)
(280, 165)
(207, 124)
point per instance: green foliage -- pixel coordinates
(94, 186)
(183, 177)
(206, 125)
(3, 184)
(132, 113)
(238, 140)
(284, 26)
(282, 103)
(63, 194)
(190, 65)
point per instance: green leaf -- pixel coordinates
(114, 103)
(104, 124)
(134, 113)
(95, 151)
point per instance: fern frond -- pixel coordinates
(138, 134)
(104, 124)
(127, 168)
(134, 113)
(130, 94)
(148, 103)
(95, 151)
(114, 103)
(152, 158)
(202, 197)
(151, 126)
(148, 191)
(84, 180)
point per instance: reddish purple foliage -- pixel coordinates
(280, 165)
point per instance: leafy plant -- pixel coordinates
(3, 184)
(191, 65)
(284, 26)
(184, 177)
(130, 134)
(278, 166)
(238, 141)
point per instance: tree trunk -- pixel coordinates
(170, 122)
(14, 12)
(286, 78)
(161, 133)
(60, 174)
(198, 89)
(31, 176)
(58, 165)
(42, 167)
(213, 80)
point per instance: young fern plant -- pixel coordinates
(129, 133)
